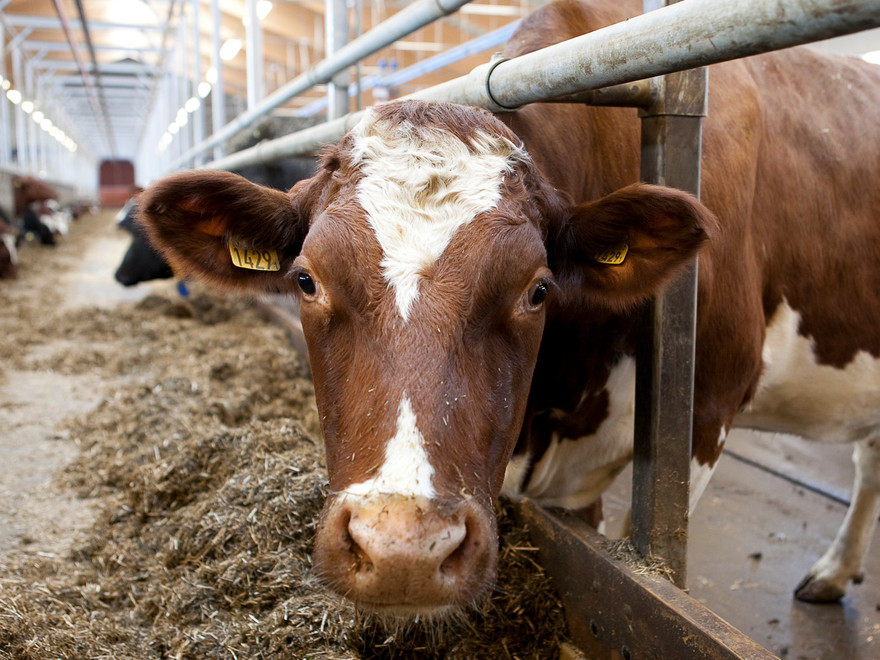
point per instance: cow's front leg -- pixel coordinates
(826, 582)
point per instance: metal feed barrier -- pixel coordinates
(652, 62)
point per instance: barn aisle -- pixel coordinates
(755, 535)
(36, 398)
(757, 530)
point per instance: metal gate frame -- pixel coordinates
(652, 62)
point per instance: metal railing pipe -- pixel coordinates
(685, 35)
(433, 63)
(407, 20)
(682, 36)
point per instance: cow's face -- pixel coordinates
(422, 281)
(420, 258)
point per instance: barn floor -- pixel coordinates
(753, 536)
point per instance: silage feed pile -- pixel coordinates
(205, 466)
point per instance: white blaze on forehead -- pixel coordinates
(406, 469)
(420, 185)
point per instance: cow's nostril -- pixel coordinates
(360, 560)
(457, 563)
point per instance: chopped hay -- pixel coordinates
(205, 465)
(623, 550)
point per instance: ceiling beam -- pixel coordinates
(60, 46)
(50, 23)
(93, 100)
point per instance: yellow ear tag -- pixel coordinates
(614, 256)
(254, 259)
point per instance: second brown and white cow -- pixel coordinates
(467, 339)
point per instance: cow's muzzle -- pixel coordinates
(406, 556)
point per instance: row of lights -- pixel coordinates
(228, 50)
(42, 120)
(192, 104)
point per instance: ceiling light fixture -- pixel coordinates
(230, 49)
(263, 8)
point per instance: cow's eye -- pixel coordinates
(537, 294)
(306, 284)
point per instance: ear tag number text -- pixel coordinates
(614, 257)
(254, 259)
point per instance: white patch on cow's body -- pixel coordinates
(420, 185)
(700, 476)
(818, 402)
(514, 474)
(573, 473)
(406, 469)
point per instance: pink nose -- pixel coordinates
(404, 555)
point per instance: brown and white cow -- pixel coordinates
(466, 340)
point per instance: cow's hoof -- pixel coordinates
(818, 590)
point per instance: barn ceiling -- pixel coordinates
(94, 67)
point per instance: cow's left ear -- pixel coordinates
(623, 248)
(222, 228)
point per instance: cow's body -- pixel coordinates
(31, 196)
(787, 336)
(424, 248)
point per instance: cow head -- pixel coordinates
(421, 254)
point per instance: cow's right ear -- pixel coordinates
(220, 227)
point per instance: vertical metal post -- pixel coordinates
(43, 143)
(358, 72)
(18, 116)
(181, 87)
(336, 35)
(671, 147)
(256, 86)
(218, 92)
(33, 146)
(5, 127)
(198, 113)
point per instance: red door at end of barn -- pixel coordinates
(116, 179)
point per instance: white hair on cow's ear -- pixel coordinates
(420, 185)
